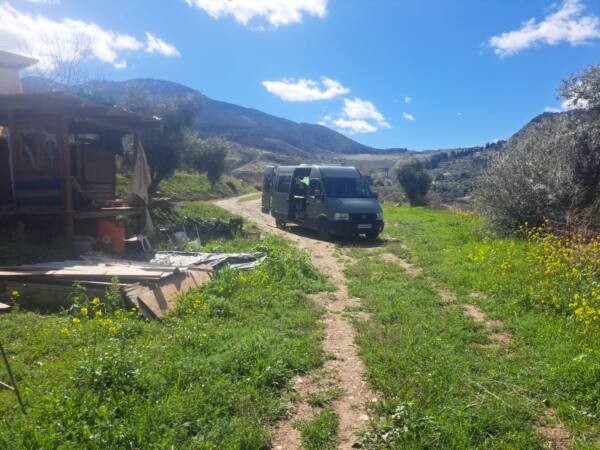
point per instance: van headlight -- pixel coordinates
(341, 216)
(379, 216)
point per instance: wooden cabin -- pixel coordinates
(58, 157)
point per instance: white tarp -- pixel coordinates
(140, 183)
(216, 261)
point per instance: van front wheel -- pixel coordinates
(324, 230)
(372, 235)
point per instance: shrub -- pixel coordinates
(550, 170)
(414, 181)
(208, 157)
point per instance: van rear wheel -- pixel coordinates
(324, 230)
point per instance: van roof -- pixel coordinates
(326, 171)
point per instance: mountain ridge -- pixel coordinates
(245, 126)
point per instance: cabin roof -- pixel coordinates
(50, 104)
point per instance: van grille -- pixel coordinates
(363, 218)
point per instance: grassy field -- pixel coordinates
(216, 373)
(213, 375)
(191, 186)
(445, 383)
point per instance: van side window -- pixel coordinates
(283, 184)
(315, 185)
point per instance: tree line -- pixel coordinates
(174, 144)
(548, 172)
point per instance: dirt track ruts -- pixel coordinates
(346, 367)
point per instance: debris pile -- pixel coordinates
(152, 286)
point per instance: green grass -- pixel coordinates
(441, 387)
(212, 375)
(320, 432)
(183, 185)
(250, 197)
(192, 186)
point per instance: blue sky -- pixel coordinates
(389, 73)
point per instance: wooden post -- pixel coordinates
(65, 175)
(13, 385)
(136, 143)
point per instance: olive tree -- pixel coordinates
(166, 144)
(415, 182)
(550, 170)
(582, 90)
(209, 157)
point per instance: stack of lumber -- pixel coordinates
(152, 288)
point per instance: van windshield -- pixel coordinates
(347, 188)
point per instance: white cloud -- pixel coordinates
(356, 126)
(44, 2)
(408, 100)
(276, 12)
(50, 40)
(305, 90)
(552, 109)
(365, 110)
(568, 24)
(357, 116)
(408, 116)
(459, 114)
(156, 45)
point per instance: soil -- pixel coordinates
(345, 368)
(552, 432)
(412, 271)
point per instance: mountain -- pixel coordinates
(245, 126)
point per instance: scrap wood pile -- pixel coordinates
(151, 286)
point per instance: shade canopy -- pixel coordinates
(30, 106)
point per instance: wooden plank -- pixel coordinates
(158, 299)
(88, 271)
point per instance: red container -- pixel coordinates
(111, 235)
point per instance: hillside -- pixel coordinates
(245, 126)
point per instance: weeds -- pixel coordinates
(210, 376)
(320, 432)
(560, 272)
(426, 356)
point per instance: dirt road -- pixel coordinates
(344, 370)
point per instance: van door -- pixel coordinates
(267, 188)
(316, 206)
(281, 196)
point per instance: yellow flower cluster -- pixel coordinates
(568, 272)
(562, 272)
(112, 324)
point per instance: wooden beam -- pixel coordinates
(65, 175)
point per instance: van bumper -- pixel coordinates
(350, 228)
